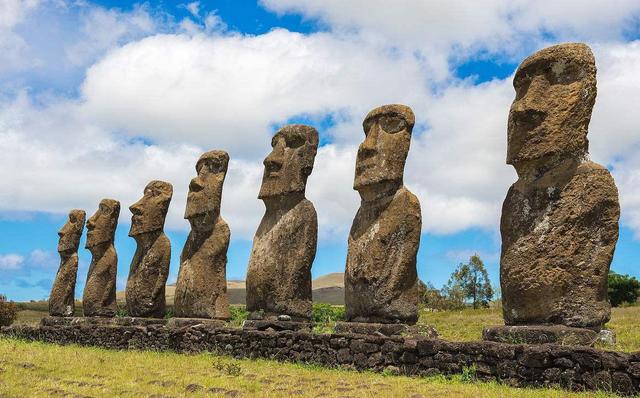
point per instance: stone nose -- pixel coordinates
(368, 147)
(136, 208)
(196, 185)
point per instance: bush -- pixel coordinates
(8, 311)
(623, 289)
(327, 313)
(239, 314)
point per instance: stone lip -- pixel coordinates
(540, 334)
(275, 325)
(575, 368)
(385, 329)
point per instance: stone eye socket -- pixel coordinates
(213, 166)
(295, 140)
(392, 124)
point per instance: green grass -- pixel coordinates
(43, 370)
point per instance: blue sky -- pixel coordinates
(97, 98)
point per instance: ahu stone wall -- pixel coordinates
(569, 367)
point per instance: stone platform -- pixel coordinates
(540, 334)
(385, 329)
(100, 321)
(266, 324)
(544, 365)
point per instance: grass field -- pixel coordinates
(47, 370)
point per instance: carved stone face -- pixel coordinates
(382, 155)
(290, 163)
(150, 212)
(205, 191)
(101, 227)
(71, 232)
(555, 93)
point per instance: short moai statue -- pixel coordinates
(381, 284)
(145, 292)
(62, 297)
(99, 297)
(201, 289)
(284, 246)
(559, 221)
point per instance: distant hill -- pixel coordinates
(326, 289)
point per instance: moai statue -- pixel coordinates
(380, 281)
(99, 298)
(62, 297)
(201, 289)
(559, 221)
(145, 292)
(284, 247)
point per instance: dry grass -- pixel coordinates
(45, 370)
(467, 325)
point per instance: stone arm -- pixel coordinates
(404, 243)
(110, 259)
(164, 260)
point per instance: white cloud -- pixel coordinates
(492, 24)
(11, 261)
(150, 107)
(193, 88)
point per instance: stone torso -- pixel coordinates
(145, 292)
(61, 299)
(279, 273)
(559, 234)
(99, 297)
(381, 276)
(201, 289)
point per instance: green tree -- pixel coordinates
(8, 311)
(470, 281)
(623, 289)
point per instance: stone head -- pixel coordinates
(382, 155)
(71, 232)
(101, 227)
(290, 162)
(555, 94)
(149, 213)
(205, 191)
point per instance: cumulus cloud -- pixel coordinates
(11, 261)
(152, 102)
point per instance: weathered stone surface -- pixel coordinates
(385, 329)
(540, 334)
(99, 297)
(145, 291)
(559, 221)
(381, 278)
(100, 321)
(62, 297)
(201, 289)
(189, 322)
(284, 246)
(268, 324)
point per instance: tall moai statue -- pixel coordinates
(62, 297)
(559, 221)
(284, 246)
(99, 298)
(201, 289)
(380, 280)
(145, 292)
